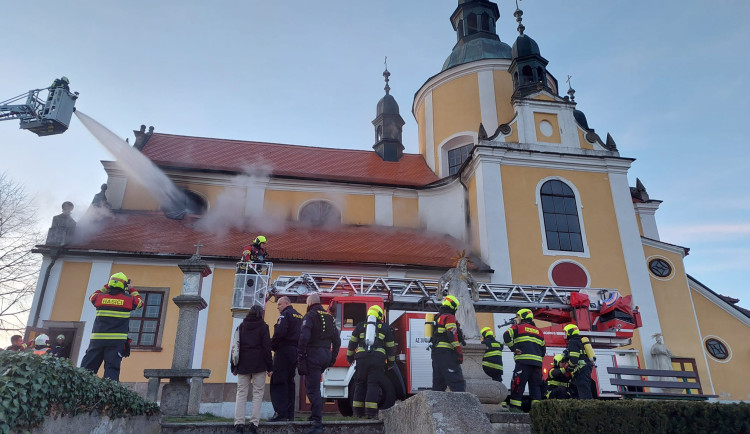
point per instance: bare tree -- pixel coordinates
(18, 266)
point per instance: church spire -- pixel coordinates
(528, 68)
(388, 124)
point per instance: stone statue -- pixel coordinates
(100, 199)
(661, 358)
(62, 227)
(458, 282)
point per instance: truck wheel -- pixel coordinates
(387, 396)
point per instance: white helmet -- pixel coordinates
(41, 339)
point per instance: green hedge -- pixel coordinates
(32, 387)
(638, 417)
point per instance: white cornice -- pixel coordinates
(697, 286)
(456, 72)
(647, 208)
(525, 155)
(663, 246)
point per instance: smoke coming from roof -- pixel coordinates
(240, 205)
(139, 168)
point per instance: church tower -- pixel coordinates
(388, 126)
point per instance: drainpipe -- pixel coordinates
(54, 253)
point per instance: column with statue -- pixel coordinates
(459, 283)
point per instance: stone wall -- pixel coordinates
(97, 424)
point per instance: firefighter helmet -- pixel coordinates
(376, 311)
(557, 359)
(451, 302)
(525, 314)
(118, 280)
(60, 337)
(65, 79)
(41, 340)
(259, 239)
(487, 331)
(571, 329)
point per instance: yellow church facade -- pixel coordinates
(507, 169)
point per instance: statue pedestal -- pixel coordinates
(478, 383)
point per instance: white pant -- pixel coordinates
(243, 387)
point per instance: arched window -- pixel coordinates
(472, 23)
(527, 75)
(319, 213)
(460, 28)
(194, 203)
(560, 212)
(457, 156)
(485, 22)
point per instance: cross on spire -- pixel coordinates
(198, 248)
(386, 74)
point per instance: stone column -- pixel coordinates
(490, 393)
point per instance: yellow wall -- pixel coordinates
(406, 212)
(138, 198)
(582, 140)
(159, 277)
(71, 292)
(529, 265)
(503, 92)
(455, 108)
(513, 136)
(355, 209)
(675, 309)
(552, 119)
(421, 130)
(729, 378)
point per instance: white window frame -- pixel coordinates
(455, 141)
(579, 206)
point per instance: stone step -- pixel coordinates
(510, 423)
(297, 427)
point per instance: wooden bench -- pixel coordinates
(688, 385)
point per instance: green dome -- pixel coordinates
(477, 49)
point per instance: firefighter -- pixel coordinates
(109, 337)
(579, 364)
(284, 344)
(372, 346)
(319, 344)
(59, 350)
(558, 379)
(527, 343)
(41, 345)
(492, 361)
(447, 353)
(17, 343)
(256, 252)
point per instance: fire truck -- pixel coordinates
(603, 315)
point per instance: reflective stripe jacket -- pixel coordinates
(558, 377)
(445, 334)
(576, 354)
(254, 253)
(113, 314)
(527, 338)
(286, 330)
(384, 344)
(493, 357)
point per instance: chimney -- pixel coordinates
(141, 137)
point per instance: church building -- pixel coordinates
(506, 168)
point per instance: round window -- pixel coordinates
(660, 267)
(717, 349)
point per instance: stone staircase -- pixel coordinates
(298, 427)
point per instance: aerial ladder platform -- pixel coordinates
(43, 116)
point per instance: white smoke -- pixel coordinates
(240, 205)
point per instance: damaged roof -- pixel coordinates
(305, 162)
(153, 234)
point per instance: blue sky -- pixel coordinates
(667, 79)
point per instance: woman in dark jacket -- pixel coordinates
(251, 361)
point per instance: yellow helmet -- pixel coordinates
(118, 280)
(525, 314)
(259, 239)
(487, 331)
(571, 329)
(376, 311)
(451, 302)
(557, 359)
(65, 79)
